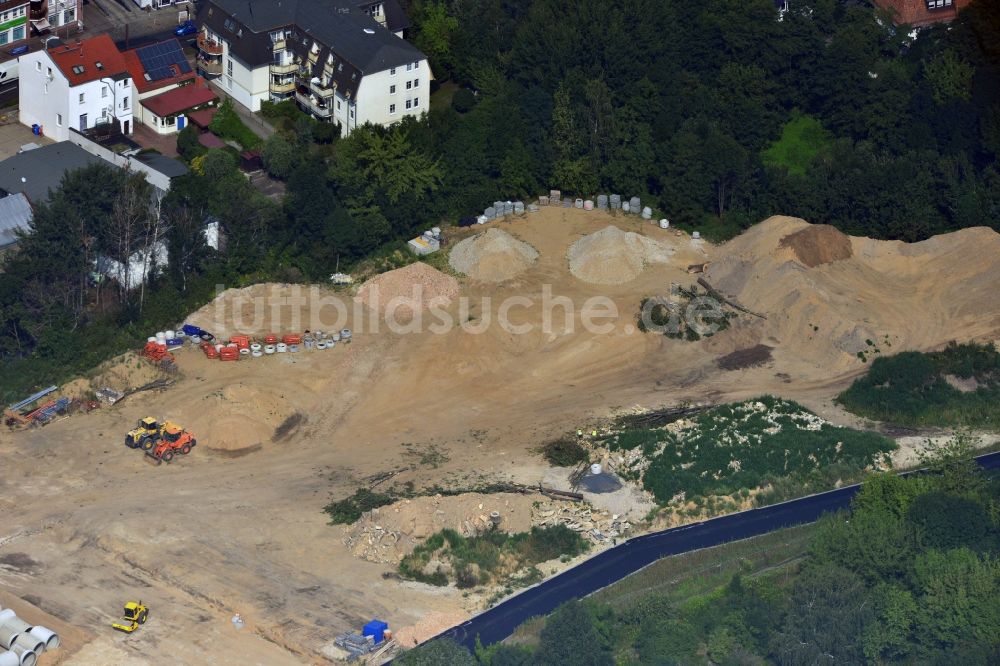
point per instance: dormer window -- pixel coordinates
(99, 65)
(78, 69)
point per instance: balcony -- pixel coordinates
(290, 68)
(210, 67)
(282, 87)
(279, 44)
(209, 46)
(320, 90)
(319, 110)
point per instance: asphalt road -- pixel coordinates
(614, 564)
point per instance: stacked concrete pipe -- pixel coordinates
(22, 641)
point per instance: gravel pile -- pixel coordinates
(408, 290)
(494, 256)
(613, 256)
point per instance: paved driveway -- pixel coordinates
(13, 135)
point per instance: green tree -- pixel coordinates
(435, 31)
(570, 637)
(950, 77)
(828, 614)
(439, 652)
(957, 598)
(948, 521)
(280, 156)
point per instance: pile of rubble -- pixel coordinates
(600, 527)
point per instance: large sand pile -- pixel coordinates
(494, 256)
(827, 301)
(407, 290)
(613, 256)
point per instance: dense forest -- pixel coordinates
(718, 113)
(910, 576)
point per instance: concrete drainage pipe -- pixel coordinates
(8, 658)
(24, 657)
(29, 643)
(47, 636)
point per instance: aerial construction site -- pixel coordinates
(452, 376)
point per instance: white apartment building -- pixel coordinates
(342, 61)
(13, 21)
(78, 85)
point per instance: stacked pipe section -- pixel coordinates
(21, 642)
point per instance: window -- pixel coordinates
(352, 113)
(416, 102)
(59, 119)
(229, 67)
(125, 104)
(3, 37)
(81, 98)
(104, 92)
(171, 121)
(409, 66)
(338, 105)
(408, 104)
(48, 72)
(392, 109)
(392, 72)
(392, 90)
(416, 65)
(416, 82)
(409, 84)
(18, 33)
(38, 66)
(78, 69)
(69, 15)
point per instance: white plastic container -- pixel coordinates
(255, 347)
(320, 345)
(281, 348)
(244, 352)
(257, 353)
(293, 349)
(151, 338)
(595, 469)
(269, 349)
(664, 224)
(696, 235)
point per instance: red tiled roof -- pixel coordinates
(179, 99)
(916, 12)
(203, 117)
(209, 140)
(87, 54)
(138, 73)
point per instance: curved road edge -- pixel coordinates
(497, 623)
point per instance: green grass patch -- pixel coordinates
(470, 561)
(802, 139)
(913, 388)
(349, 509)
(738, 446)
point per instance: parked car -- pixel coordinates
(19, 50)
(186, 28)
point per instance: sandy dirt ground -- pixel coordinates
(237, 526)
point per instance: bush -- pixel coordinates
(349, 509)
(564, 453)
(187, 144)
(228, 125)
(280, 156)
(911, 388)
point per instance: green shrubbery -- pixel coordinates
(747, 445)
(227, 124)
(912, 389)
(349, 509)
(564, 453)
(478, 560)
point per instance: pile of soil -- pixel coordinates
(408, 290)
(613, 256)
(494, 256)
(745, 358)
(818, 244)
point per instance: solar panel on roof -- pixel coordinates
(157, 60)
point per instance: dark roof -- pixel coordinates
(168, 166)
(356, 37)
(209, 140)
(43, 168)
(202, 117)
(179, 100)
(15, 214)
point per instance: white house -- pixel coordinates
(342, 61)
(166, 87)
(78, 85)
